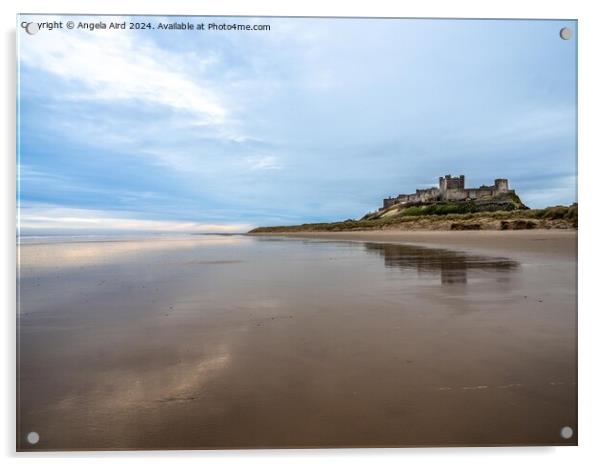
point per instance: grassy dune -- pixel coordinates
(445, 218)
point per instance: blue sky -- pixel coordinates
(314, 120)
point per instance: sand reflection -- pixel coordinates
(84, 253)
(453, 266)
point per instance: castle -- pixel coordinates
(451, 188)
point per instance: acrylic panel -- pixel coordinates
(295, 232)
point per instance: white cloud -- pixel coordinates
(119, 65)
(262, 162)
(42, 217)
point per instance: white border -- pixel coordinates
(590, 309)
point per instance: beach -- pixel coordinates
(298, 340)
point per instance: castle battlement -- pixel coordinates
(451, 188)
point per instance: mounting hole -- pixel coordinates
(566, 33)
(33, 438)
(32, 28)
(566, 432)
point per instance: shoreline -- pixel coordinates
(549, 242)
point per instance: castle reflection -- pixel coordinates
(453, 266)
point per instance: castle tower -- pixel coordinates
(501, 185)
(450, 183)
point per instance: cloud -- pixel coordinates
(120, 65)
(218, 126)
(265, 162)
(46, 218)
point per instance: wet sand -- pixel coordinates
(248, 342)
(549, 242)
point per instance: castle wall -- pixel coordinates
(427, 195)
(455, 195)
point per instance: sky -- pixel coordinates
(317, 119)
